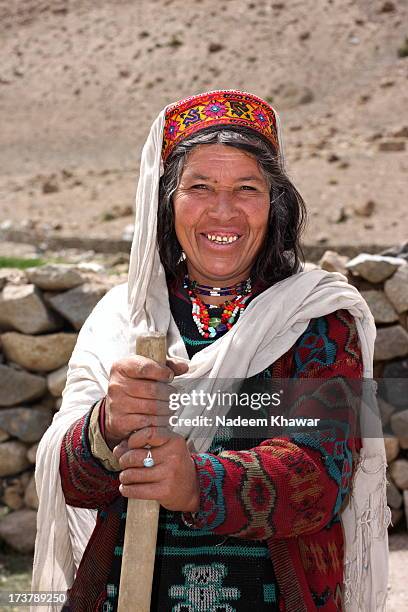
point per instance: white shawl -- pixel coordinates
(266, 330)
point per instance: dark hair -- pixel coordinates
(281, 253)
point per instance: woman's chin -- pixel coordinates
(218, 274)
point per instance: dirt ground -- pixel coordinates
(398, 586)
(81, 82)
(15, 575)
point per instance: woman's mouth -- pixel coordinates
(224, 238)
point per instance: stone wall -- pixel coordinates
(383, 282)
(41, 312)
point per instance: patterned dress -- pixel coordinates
(267, 533)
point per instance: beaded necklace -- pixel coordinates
(242, 287)
(209, 326)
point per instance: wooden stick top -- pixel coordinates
(152, 345)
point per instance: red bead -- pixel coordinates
(202, 317)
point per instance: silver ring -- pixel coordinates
(148, 461)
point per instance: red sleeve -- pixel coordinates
(86, 483)
(295, 484)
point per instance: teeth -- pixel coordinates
(221, 239)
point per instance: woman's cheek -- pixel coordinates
(257, 213)
(187, 211)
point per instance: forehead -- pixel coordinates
(220, 159)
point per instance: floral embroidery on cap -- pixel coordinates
(227, 107)
(215, 109)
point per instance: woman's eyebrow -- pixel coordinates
(203, 177)
(248, 178)
(199, 177)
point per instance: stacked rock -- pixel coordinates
(41, 312)
(383, 282)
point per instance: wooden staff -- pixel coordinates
(139, 547)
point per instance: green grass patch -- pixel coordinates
(20, 262)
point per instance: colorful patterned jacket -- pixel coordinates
(287, 490)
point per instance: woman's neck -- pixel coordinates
(214, 300)
(216, 293)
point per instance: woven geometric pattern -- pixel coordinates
(229, 107)
(275, 500)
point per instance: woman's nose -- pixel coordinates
(223, 205)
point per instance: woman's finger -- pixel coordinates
(152, 436)
(147, 390)
(141, 475)
(134, 422)
(120, 449)
(178, 366)
(133, 458)
(138, 367)
(144, 406)
(153, 490)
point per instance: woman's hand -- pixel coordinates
(172, 481)
(138, 395)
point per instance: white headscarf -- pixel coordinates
(268, 328)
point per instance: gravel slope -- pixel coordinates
(80, 83)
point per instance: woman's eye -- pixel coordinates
(247, 188)
(199, 186)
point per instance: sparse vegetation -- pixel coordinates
(403, 50)
(215, 47)
(107, 216)
(175, 42)
(20, 262)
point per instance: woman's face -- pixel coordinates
(221, 210)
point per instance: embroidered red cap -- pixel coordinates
(224, 107)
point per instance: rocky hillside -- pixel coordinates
(80, 83)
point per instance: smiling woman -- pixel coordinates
(215, 265)
(221, 221)
(228, 179)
